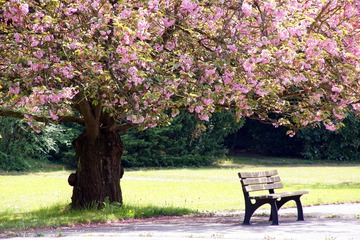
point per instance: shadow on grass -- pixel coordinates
(61, 215)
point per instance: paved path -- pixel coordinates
(331, 222)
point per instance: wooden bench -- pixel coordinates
(267, 181)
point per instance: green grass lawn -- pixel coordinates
(41, 199)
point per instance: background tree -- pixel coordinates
(112, 65)
(21, 150)
(18, 146)
(257, 138)
(186, 142)
(341, 145)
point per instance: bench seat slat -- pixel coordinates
(266, 196)
(258, 174)
(259, 187)
(279, 195)
(249, 181)
(290, 194)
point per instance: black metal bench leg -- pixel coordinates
(249, 211)
(274, 217)
(299, 209)
(247, 218)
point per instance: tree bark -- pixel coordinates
(98, 170)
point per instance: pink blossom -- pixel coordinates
(14, 90)
(319, 116)
(34, 42)
(208, 102)
(232, 48)
(291, 133)
(188, 6)
(261, 92)
(105, 33)
(204, 117)
(198, 109)
(186, 62)
(127, 39)
(98, 68)
(53, 116)
(17, 37)
(55, 59)
(67, 72)
(241, 88)
(70, 11)
(168, 95)
(55, 98)
(210, 72)
(168, 22)
(158, 47)
(38, 54)
(143, 25)
(121, 50)
(125, 14)
(265, 56)
(29, 120)
(136, 119)
(35, 109)
(219, 13)
(305, 66)
(246, 8)
(174, 114)
(337, 89)
(356, 107)
(24, 8)
(142, 33)
(330, 126)
(269, 5)
(154, 5)
(170, 45)
(227, 77)
(304, 122)
(132, 71)
(338, 115)
(248, 66)
(136, 80)
(95, 5)
(283, 33)
(38, 79)
(330, 46)
(49, 38)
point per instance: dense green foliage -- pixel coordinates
(186, 142)
(264, 139)
(21, 149)
(342, 145)
(18, 146)
(309, 143)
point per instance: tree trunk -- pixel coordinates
(98, 170)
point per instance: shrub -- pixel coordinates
(341, 145)
(23, 150)
(185, 142)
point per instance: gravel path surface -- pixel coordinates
(326, 222)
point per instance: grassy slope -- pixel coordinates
(41, 199)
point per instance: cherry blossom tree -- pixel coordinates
(111, 65)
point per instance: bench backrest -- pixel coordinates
(259, 181)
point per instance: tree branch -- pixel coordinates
(62, 119)
(124, 127)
